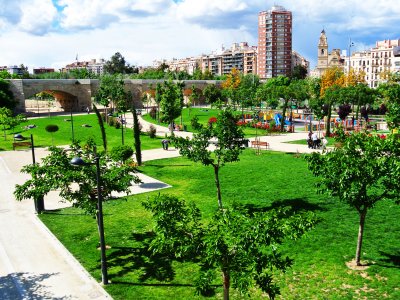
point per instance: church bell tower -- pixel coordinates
(322, 52)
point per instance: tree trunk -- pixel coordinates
(226, 279)
(328, 120)
(158, 113)
(283, 115)
(363, 214)
(216, 170)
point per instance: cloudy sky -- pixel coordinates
(51, 33)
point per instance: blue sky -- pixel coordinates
(50, 33)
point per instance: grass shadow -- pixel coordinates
(390, 260)
(140, 258)
(294, 205)
(165, 166)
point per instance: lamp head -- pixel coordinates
(77, 161)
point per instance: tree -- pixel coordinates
(299, 72)
(231, 84)
(193, 96)
(242, 246)
(157, 98)
(278, 90)
(247, 90)
(101, 125)
(391, 95)
(365, 170)
(8, 120)
(136, 137)
(359, 95)
(331, 82)
(171, 103)
(118, 65)
(111, 90)
(228, 138)
(343, 111)
(212, 94)
(82, 73)
(6, 96)
(55, 173)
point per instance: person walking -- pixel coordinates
(314, 138)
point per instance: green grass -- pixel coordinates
(264, 181)
(64, 135)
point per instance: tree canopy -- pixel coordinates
(6, 96)
(242, 246)
(365, 169)
(228, 145)
(55, 173)
(118, 65)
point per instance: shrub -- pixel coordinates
(212, 120)
(51, 128)
(117, 124)
(111, 121)
(121, 153)
(152, 131)
(195, 123)
(153, 113)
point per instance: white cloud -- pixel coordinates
(215, 13)
(144, 30)
(38, 16)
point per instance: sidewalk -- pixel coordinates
(33, 263)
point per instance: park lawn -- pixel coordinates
(64, 135)
(268, 180)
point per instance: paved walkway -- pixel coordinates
(33, 263)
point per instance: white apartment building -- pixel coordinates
(376, 62)
(240, 56)
(94, 66)
(189, 64)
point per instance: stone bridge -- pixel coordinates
(77, 94)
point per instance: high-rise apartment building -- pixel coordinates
(274, 42)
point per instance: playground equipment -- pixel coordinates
(278, 118)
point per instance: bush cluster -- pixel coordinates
(152, 131)
(153, 113)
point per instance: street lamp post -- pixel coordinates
(77, 161)
(122, 128)
(351, 44)
(72, 127)
(39, 201)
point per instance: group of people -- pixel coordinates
(314, 142)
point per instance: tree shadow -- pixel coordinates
(390, 260)
(141, 259)
(294, 205)
(167, 166)
(18, 286)
(153, 185)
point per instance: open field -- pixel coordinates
(64, 135)
(262, 182)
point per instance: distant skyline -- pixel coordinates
(51, 33)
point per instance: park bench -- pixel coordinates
(21, 144)
(256, 144)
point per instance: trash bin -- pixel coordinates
(245, 143)
(184, 127)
